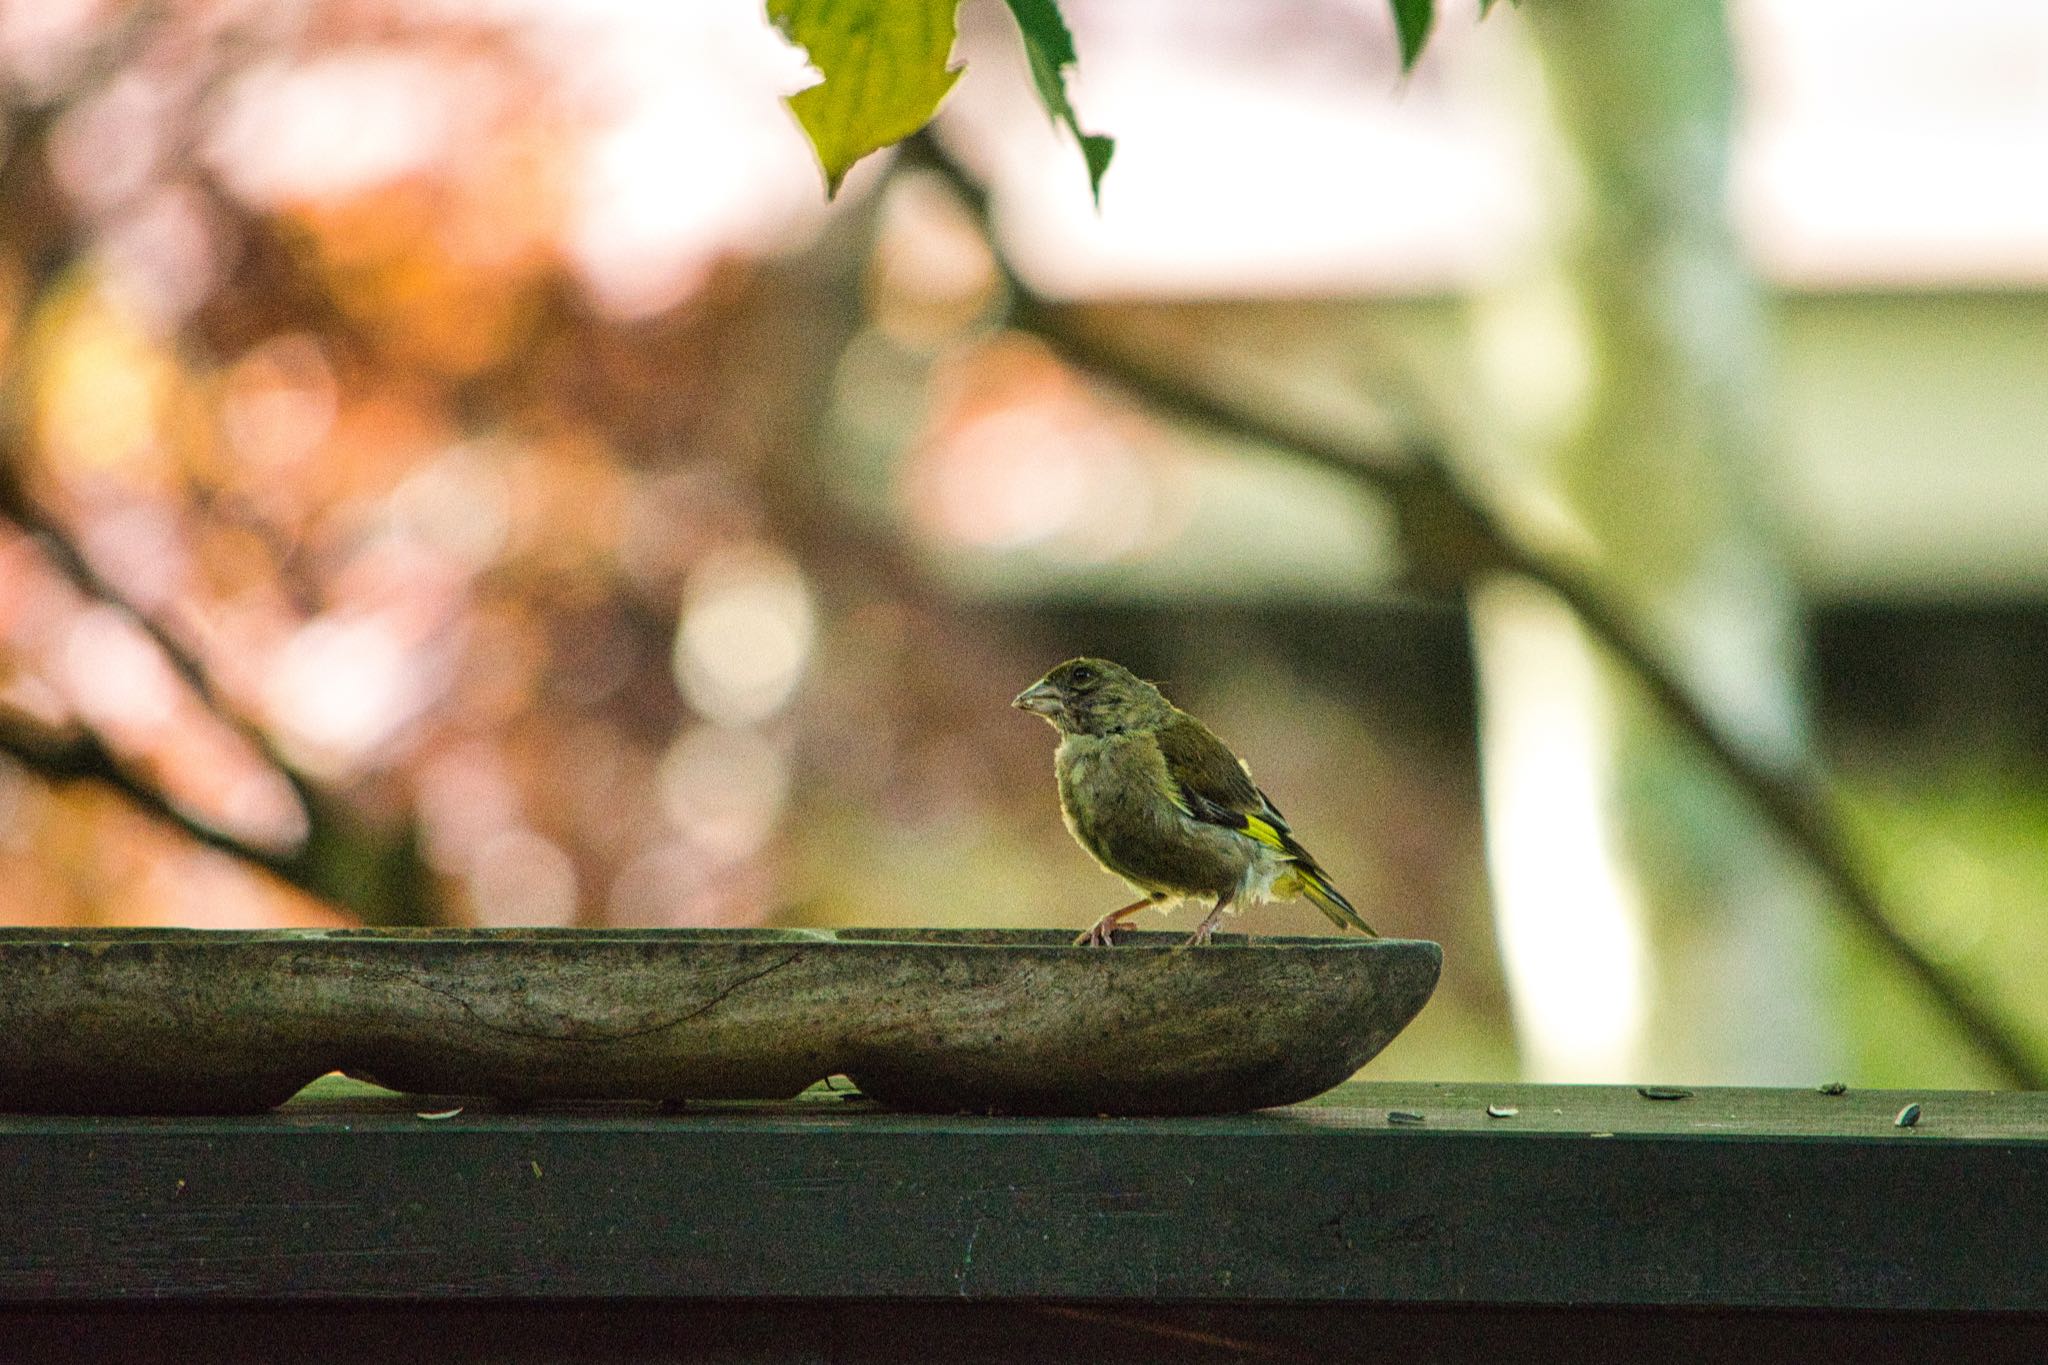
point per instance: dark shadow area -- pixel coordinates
(860, 1333)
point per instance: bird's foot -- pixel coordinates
(1206, 930)
(1101, 934)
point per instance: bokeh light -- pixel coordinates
(745, 636)
(520, 877)
(724, 789)
(341, 688)
(473, 414)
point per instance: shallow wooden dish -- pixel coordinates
(1018, 1022)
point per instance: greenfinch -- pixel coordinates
(1162, 803)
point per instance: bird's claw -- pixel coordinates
(1101, 934)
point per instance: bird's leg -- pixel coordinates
(1102, 934)
(1207, 928)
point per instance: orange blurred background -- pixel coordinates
(454, 451)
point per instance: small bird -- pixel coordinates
(1162, 803)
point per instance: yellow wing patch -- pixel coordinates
(1263, 832)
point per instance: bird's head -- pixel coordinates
(1094, 697)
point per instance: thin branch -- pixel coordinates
(1456, 534)
(1800, 805)
(65, 756)
(50, 248)
(70, 560)
(26, 195)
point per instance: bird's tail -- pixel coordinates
(1330, 901)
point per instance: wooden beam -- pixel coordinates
(1584, 1197)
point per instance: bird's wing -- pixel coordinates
(1214, 787)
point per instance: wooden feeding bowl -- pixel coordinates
(1016, 1022)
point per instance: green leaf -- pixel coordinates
(1050, 48)
(1412, 19)
(884, 63)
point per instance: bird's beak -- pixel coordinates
(1040, 698)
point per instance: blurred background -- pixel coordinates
(456, 468)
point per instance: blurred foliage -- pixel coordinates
(354, 440)
(886, 66)
(473, 597)
(1965, 842)
(354, 501)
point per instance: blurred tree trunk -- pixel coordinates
(1652, 927)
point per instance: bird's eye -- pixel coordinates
(1082, 676)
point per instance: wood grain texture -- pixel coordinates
(1588, 1196)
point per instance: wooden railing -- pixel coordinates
(1458, 1218)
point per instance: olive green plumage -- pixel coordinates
(1164, 804)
